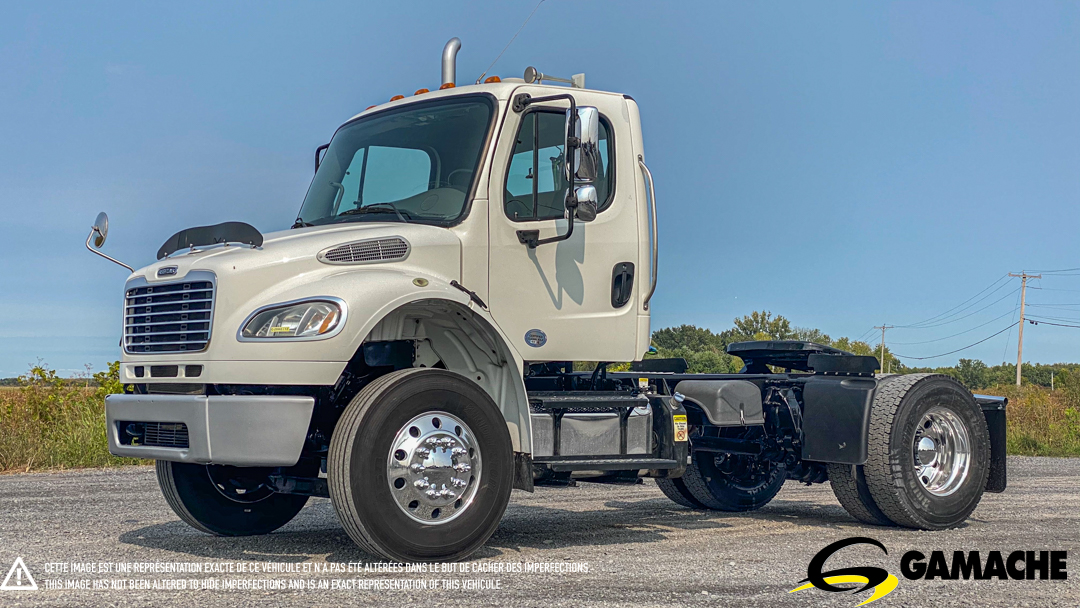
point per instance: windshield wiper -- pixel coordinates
(376, 208)
(301, 224)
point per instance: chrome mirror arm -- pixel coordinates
(94, 231)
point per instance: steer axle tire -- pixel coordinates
(928, 452)
(420, 466)
(225, 501)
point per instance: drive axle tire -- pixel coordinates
(929, 451)
(676, 490)
(225, 501)
(420, 466)
(732, 483)
(848, 483)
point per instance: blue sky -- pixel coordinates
(842, 164)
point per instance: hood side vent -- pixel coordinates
(368, 251)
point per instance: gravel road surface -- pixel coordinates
(84, 530)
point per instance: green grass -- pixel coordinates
(1041, 422)
(48, 423)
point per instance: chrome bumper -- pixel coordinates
(240, 430)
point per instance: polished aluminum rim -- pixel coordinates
(942, 451)
(434, 467)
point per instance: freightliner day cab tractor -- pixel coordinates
(406, 348)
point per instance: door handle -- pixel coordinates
(622, 284)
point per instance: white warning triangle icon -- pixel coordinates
(18, 578)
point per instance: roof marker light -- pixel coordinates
(446, 85)
(491, 79)
(421, 91)
(397, 97)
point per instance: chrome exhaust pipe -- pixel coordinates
(449, 60)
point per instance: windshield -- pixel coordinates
(413, 164)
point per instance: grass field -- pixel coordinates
(51, 423)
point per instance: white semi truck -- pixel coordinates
(406, 348)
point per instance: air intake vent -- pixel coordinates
(367, 252)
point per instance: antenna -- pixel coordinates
(481, 78)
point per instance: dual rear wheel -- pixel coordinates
(927, 465)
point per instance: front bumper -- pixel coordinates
(241, 430)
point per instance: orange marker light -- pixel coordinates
(421, 91)
(448, 85)
(397, 97)
(491, 79)
(368, 108)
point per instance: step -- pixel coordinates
(591, 463)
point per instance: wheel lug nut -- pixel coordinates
(417, 468)
(462, 467)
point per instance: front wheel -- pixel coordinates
(420, 466)
(225, 501)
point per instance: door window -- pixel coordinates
(547, 131)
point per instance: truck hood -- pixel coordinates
(288, 254)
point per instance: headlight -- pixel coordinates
(300, 320)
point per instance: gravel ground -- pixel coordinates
(640, 549)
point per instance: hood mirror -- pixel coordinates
(98, 232)
(100, 229)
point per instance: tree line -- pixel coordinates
(704, 351)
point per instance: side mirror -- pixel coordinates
(586, 203)
(100, 229)
(98, 232)
(583, 163)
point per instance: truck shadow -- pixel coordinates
(316, 532)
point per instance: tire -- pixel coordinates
(676, 490)
(372, 463)
(913, 487)
(715, 489)
(196, 499)
(849, 485)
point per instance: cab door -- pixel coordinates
(575, 299)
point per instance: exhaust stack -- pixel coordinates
(449, 61)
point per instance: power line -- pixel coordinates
(1049, 323)
(965, 316)
(947, 312)
(959, 349)
(1067, 319)
(1011, 312)
(1055, 271)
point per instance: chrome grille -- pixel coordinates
(168, 318)
(366, 252)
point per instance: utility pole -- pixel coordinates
(1020, 341)
(883, 327)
